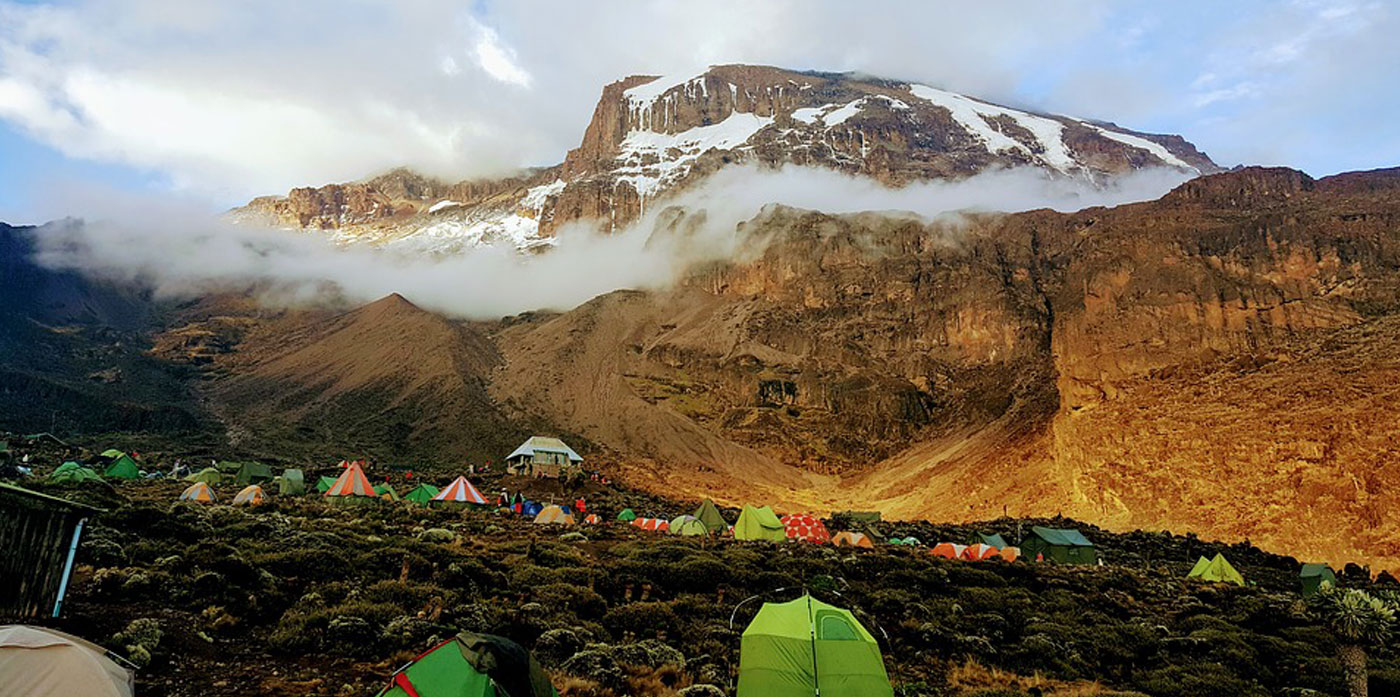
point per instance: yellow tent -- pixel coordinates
(554, 515)
(251, 495)
(1218, 569)
(198, 492)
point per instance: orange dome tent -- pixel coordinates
(251, 495)
(947, 550)
(554, 515)
(805, 528)
(979, 552)
(852, 539)
(199, 492)
(653, 524)
(592, 519)
(1010, 553)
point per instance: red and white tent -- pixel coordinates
(461, 491)
(351, 482)
(979, 552)
(947, 550)
(806, 528)
(656, 524)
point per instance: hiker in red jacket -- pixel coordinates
(578, 505)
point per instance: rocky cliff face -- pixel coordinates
(653, 136)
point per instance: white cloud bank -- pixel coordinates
(180, 252)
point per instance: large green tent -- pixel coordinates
(759, 523)
(687, 526)
(253, 473)
(806, 647)
(709, 515)
(626, 515)
(1218, 569)
(423, 493)
(1065, 546)
(123, 468)
(1314, 575)
(73, 473)
(471, 665)
(324, 484)
(291, 483)
(208, 475)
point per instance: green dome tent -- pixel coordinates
(324, 484)
(759, 524)
(208, 475)
(1313, 576)
(123, 468)
(1218, 569)
(709, 514)
(423, 493)
(806, 647)
(688, 526)
(627, 515)
(73, 473)
(252, 473)
(291, 483)
(989, 539)
(471, 665)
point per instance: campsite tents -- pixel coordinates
(460, 493)
(759, 523)
(989, 539)
(292, 483)
(1218, 570)
(423, 493)
(653, 524)
(351, 487)
(73, 473)
(1010, 553)
(947, 550)
(384, 491)
(592, 519)
(1313, 576)
(471, 665)
(980, 552)
(805, 528)
(626, 515)
(208, 475)
(198, 492)
(324, 484)
(806, 647)
(687, 526)
(852, 539)
(554, 515)
(253, 473)
(710, 516)
(122, 468)
(531, 508)
(40, 662)
(1064, 546)
(251, 495)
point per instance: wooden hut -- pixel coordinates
(39, 534)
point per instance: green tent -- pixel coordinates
(229, 467)
(806, 647)
(688, 526)
(123, 468)
(708, 514)
(324, 484)
(1218, 570)
(627, 515)
(112, 453)
(1064, 546)
(991, 540)
(471, 665)
(253, 473)
(73, 473)
(1314, 575)
(386, 491)
(208, 475)
(291, 483)
(759, 523)
(423, 493)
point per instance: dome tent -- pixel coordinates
(40, 662)
(759, 523)
(471, 665)
(805, 647)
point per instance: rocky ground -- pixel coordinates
(299, 598)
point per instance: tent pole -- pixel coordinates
(68, 567)
(812, 630)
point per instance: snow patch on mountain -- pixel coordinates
(1140, 143)
(651, 161)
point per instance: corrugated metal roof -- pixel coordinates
(545, 445)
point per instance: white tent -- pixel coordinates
(40, 662)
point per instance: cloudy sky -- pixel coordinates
(220, 100)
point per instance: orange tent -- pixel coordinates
(351, 482)
(199, 492)
(806, 528)
(1010, 553)
(654, 524)
(592, 519)
(852, 539)
(978, 552)
(461, 491)
(947, 550)
(251, 495)
(554, 515)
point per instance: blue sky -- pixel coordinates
(219, 101)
